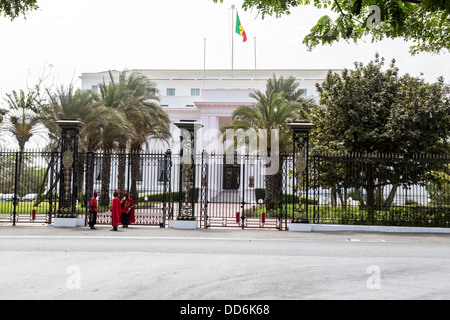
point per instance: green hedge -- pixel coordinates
(418, 216)
(159, 197)
(287, 198)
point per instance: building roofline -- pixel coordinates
(209, 71)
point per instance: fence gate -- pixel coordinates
(226, 194)
(147, 177)
(28, 184)
(236, 193)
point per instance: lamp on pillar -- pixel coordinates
(300, 141)
(70, 129)
(188, 129)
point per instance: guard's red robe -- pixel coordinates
(116, 212)
(93, 204)
(127, 203)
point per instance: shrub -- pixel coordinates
(159, 197)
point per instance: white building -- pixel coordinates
(209, 96)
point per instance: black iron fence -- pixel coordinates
(381, 189)
(26, 192)
(346, 189)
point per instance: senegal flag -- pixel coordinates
(239, 29)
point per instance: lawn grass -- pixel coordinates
(7, 207)
(395, 215)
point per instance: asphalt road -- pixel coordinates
(166, 264)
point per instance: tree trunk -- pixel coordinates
(362, 203)
(121, 173)
(20, 169)
(447, 170)
(370, 200)
(333, 197)
(390, 198)
(135, 170)
(80, 177)
(379, 198)
(342, 198)
(106, 178)
(273, 190)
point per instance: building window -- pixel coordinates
(190, 106)
(304, 93)
(171, 92)
(195, 92)
(95, 89)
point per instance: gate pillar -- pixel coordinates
(186, 208)
(203, 198)
(300, 167)
(167, 205)
(68, 177)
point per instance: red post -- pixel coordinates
(237, 217)
(34, 214)
(263, 217)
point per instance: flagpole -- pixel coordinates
(232, 43)
(256, 82)
(204, 62)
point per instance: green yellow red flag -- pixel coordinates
(239, 29)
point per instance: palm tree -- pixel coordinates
(135, 97)
(2, 113)
(116, 133)
(144, 112)
(22, 121)
(147, 118)
(288, 86)
(270, 112)
(68, 103)
(278, 106)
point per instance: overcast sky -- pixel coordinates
(72, 37)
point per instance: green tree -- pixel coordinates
(140, 118)
(275, 108)
(22, 121)
(368, 110)
(116, 133)
(68, 103)
(2, 113)
(147, 118)
(15, 8)
(426, 23)
(439, 189)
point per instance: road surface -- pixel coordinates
(165, 264)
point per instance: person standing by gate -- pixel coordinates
(127, 210)
(115, 210)
(93, 211)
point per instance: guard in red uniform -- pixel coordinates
(115, 209)
(93, 211)
(127, 210)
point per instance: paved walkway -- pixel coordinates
(102, 231)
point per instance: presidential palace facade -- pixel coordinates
(208, 96)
